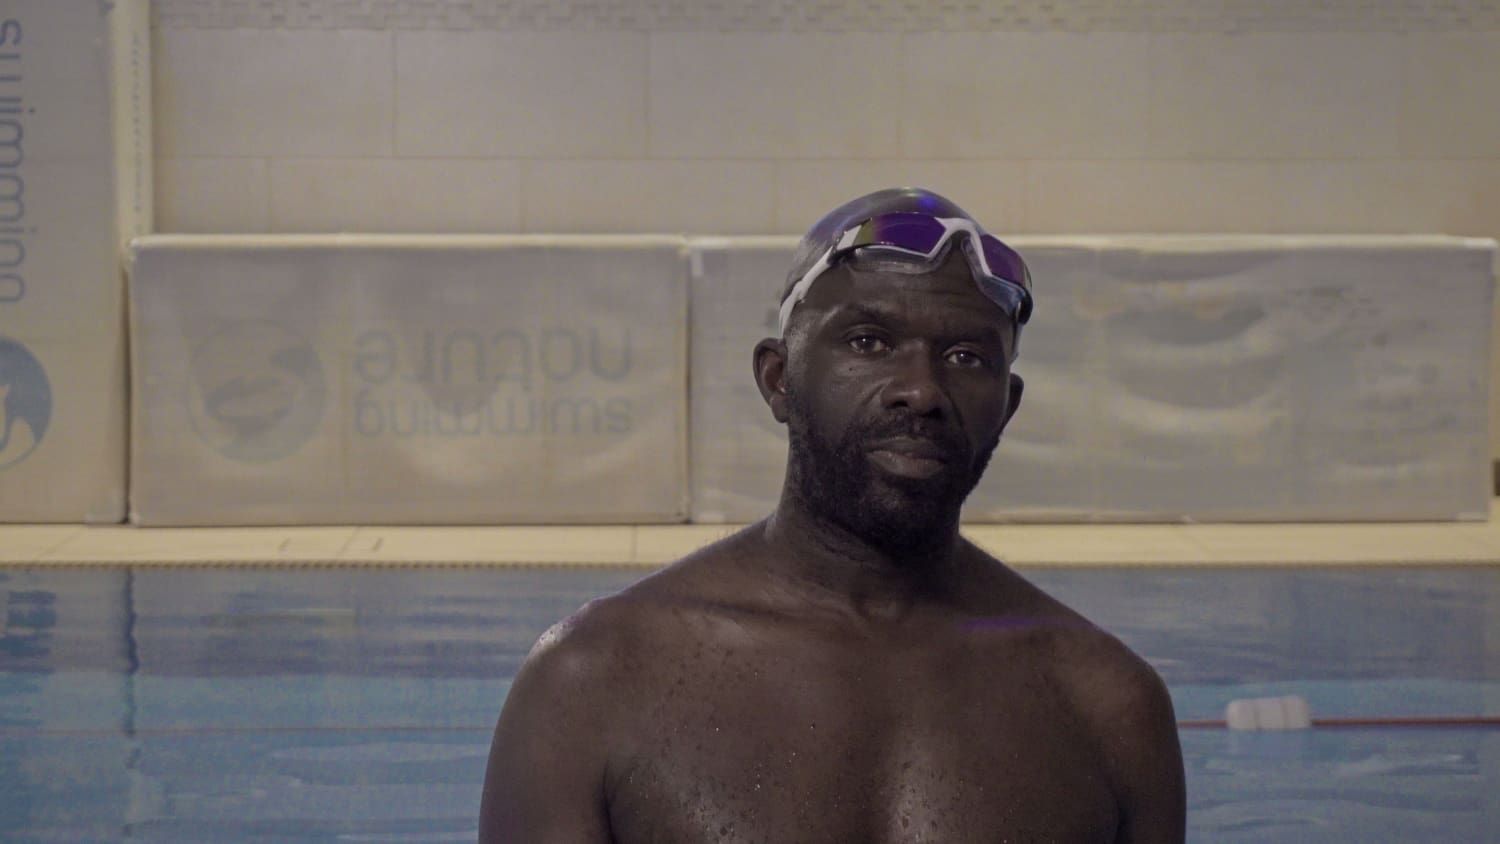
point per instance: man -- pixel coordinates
(850, 669)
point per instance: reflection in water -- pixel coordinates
(244, 704)
(1223, 626)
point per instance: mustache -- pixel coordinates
(915, 427)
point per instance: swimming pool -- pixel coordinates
(273, 705)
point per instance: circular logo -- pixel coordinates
(25, 402)
(256, 392)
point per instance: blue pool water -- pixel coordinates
(221, 706)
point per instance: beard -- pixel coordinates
(835, 480)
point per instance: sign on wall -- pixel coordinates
(1175, 378)
(74, 183)
(409, 380)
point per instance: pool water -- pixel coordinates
(221, 706)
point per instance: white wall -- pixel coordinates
(644, 115)
(732, 116)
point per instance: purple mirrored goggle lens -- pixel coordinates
(1009, 284)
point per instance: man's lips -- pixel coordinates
(918, 447)
(910, 457)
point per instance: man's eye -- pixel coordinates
(965, 358)
(867, 344)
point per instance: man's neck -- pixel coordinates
(829, 560)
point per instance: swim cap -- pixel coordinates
(911, 223)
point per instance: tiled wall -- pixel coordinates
(738, 116)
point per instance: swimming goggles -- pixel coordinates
(999, 271)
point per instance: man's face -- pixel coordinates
(897, 387)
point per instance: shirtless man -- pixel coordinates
(851, 669)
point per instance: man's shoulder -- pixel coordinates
(614, 634)
(1100, 675)
(582, 650)
(1116, 700)
(1123, 705)
(1119, 698)
(1108, 679)
(708, 577)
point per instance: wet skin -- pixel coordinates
(846, 672)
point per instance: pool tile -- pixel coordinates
(993, 191)
(1486, 536)
(395, 195)
(125, 544)
(552, 545)
(662, 544)
(651, 545)
(1274, 95)
(1104, 77)
(245, 92)
(1313, 544)
(1449, 82)
(27, 543)
(1456, 197)
(722, 95)
(205, 195)
(495, 94)
(1147, 196)
(1085, 544)
(600, 197)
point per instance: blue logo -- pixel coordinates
(256, 392)
(25, 402)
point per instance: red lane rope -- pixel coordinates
(1207, 724)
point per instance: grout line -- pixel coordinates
(648, 144)
(1194, 539)
(349, 540)
(270, 177)
(395, 129)
(53, 548)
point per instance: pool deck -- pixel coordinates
(1385, 543)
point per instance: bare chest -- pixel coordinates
(823, 746)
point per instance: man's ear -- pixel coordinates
(1017, 387)
(770, 375)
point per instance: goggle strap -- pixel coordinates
(973, 249)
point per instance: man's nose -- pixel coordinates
(916, 384)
